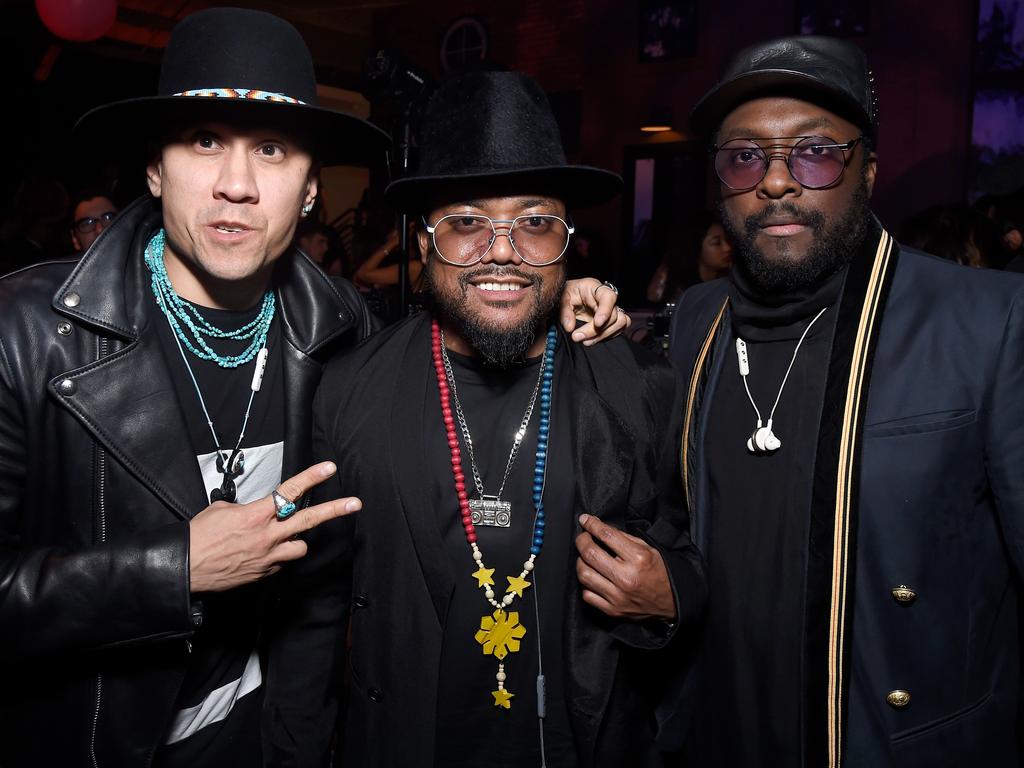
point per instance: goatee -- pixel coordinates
(497, 346)
(833, 245)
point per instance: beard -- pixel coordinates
(499, 346)
(834, 244)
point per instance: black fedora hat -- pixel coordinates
(825, 70)
(490, 130)
(237, 63)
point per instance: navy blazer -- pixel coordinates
(937, 540)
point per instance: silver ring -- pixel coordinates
(607, 285)
(285, 508)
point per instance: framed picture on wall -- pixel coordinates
(668, 29)
(837, 18)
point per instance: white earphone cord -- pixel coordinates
(785, 378)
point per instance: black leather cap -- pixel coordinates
(824, 70)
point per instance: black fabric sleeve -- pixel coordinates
(669, 531)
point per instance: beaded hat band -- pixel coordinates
(234, 64)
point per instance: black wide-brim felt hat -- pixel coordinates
(825, 70)
(491, 133)
(240, 65)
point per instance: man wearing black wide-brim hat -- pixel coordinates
(854, 454)
(154, 397)
(522, 565)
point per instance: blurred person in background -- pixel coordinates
(702, 252)
(954, 232)
(91, 213)
(319, 242)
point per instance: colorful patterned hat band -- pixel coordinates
(240, 93)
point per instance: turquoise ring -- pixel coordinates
(285, 508)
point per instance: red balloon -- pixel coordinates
(78, 20)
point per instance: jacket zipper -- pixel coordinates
(101, 501)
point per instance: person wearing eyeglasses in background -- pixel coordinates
(852, 455)
(91, 214)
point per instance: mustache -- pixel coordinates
(496, 272)
(813, 219)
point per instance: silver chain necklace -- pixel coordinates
(490, 510)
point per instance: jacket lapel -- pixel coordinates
(412, 405)
(602, 442)
(128, 403)
(833, 523)
(313, 316)
(602, 462)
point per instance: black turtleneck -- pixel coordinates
(758, 528)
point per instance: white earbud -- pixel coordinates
(764, 440)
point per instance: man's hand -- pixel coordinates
(589, 299)
(621, 575)
(235, 544)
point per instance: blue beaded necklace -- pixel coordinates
(500, 633)
(174, 309)
(180, 312)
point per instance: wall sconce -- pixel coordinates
(659, 119)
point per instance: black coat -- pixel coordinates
(390, 563)
(931, 496)
(97, 484)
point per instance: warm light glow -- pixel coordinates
(655, 128)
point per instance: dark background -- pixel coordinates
(585, 53)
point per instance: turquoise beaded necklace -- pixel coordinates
(180, 312)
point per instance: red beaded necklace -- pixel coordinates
(500, 632)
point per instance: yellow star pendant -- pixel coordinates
(517, 585)
(502, 698)
(483, 577)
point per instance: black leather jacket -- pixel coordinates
(97, 485)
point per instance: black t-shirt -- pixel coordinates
(759, 527)
(471, 730)
(217, 719)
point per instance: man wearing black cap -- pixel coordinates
(152, 398)
(523, 558)
(852, 451)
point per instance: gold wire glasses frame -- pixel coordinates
(814, 162)
(463, 239)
